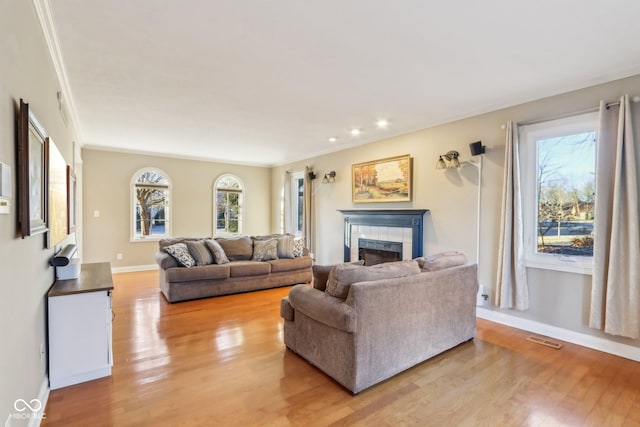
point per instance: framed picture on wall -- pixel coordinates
(58, 200)
(71, 200)
(384, 180)
(33, 162)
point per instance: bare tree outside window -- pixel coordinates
(151, 193)
(228, 201)
(565, 194)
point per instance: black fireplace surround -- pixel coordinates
(406, 218)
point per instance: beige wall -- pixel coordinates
(558, 299)
(26, 71)
(107, 178)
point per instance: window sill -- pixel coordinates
(147, 239)
(568, 266)
(226, 235)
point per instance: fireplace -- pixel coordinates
(374, 252)
(383, 235)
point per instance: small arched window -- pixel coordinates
(151, 213)
(227, 202)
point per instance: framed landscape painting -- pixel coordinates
(384, 180)
(71, 200)
(58, 202)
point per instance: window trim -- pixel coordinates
(133, 237)
(528, 135)
(293, 202)
(214, 208)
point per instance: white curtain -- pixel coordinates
(511, 288)
(287, 220)
(308, 211)
(615, 289)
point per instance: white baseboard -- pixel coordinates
(589, 341)
(30, 410)
(134, 268)
(43, 397)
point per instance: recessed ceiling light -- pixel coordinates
(355, 132)
(382, 123)
(333, 139)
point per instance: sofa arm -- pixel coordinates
(286, 311)
(165, 260)
(323, 308)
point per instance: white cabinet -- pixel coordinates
(80, 327)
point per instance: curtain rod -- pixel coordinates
(634, 99)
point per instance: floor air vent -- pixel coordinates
(543, 341)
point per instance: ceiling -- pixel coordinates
(268, 82)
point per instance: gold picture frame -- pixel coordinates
(383, 180)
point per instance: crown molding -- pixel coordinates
(45, 16)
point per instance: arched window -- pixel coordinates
(151, 214)
(227, 202)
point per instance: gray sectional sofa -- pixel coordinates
(242, 273)
(382, 326)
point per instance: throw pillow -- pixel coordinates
(199, 252)
(342, 276)
(238, 249)
(265, 250)
(321, 274)
(181, 253)
(219, 257)
(441, 261)
(298, 246)
(285, 244)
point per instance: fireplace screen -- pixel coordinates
(378, 251)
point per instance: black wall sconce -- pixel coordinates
(312, 175)
(448, 160)
(477, 148)
(329, 177)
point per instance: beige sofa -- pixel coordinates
(383, 326)
(240, 274)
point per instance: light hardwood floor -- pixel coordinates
(221, 361)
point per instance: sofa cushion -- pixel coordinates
(199, 252)
(321, 274)
(181, 254)
(265, 250)
(219, 257)
(290, 264)
(441, 261)
(249, 268)
(343, 275)
(203, 272)
(238, 249)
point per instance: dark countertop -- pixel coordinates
(94, 277)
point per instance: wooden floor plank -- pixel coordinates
(221, 361)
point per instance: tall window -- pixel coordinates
(559, 158)
(297, 202)
(150, 192)
(227, 205)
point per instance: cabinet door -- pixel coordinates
(79, 338)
